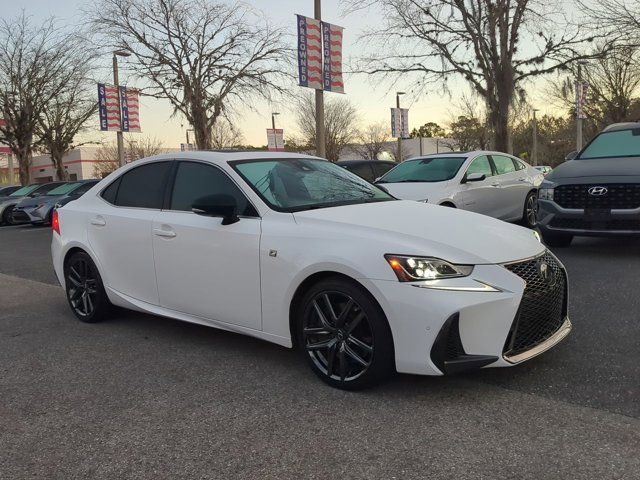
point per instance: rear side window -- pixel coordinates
(480, 165)
(141, 187)
(196, 180)
(519, 165)
(84, 188)
(363, 170)
(381, 168)
(503, 164)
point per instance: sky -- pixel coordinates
(373, 102)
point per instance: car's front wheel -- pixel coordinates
(7, 217)
(85, 291)
(530, 211)
(344, 335)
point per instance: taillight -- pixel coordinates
(55, 222)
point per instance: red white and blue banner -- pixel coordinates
(275, 139)
(400, 122)
(309, 53)
(582, 90)
(332, 55)
(110, 112)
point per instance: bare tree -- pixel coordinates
(225, 134)
(204, 56)
(482, 41)
(108, 160)
(34, 69)
(340, 121)
(372, 140)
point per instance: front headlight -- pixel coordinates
(411, 269)
(537, 235)
(545, 194)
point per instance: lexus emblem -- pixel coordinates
(546, 273)
(598, 191)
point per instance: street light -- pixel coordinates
(116, 54)
(534, 149)
(273, 119)
(400, 132)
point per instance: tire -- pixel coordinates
(530, 211)
(85, 291)
(6, 216)
(350, 346)
(557, 239)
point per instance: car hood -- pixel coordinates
(431, 191)
(454, 235)
(605, 168)
(27, 202)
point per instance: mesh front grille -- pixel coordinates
(619, 196)
(585, 224)
(543, 307)
(19, 216)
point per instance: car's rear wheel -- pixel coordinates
(7, 218)
(557, 239)
(530, 211)
(344, 335)
(85, 291)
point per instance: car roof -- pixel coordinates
(230, 156)
(621, 126)
(471, 153)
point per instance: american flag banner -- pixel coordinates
(582, 89)
(108, 110)
(309, 53)
(332, 55)
(130, 109)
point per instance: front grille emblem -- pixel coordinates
(546, 273)
(598, 191)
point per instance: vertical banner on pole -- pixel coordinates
(332, 58)
(125, 108)
(400, 122)
(309, 53)
(133, 105)
(582, 89)
(275, 139)
(108, 108)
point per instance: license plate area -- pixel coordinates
(597, 214)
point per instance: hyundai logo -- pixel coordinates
(598, 191)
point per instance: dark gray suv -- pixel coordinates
(596, 192)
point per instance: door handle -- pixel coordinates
(98, 221)
(497, 185)
(164, 233)
(522, 179)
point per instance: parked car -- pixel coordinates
(491, 183)
(367, 169)
(6, 191)
(596, 192)
(30, 192)
(38, 210)
(295, 250)
(544, 169)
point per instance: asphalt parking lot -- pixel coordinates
(146, 397)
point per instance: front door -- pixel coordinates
(481, 197)
(205, 268)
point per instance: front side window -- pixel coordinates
(480, 165)
(432, 169)
(141, 187)
(64, 189)
(619, 143)
(363, 170)
(196, 180)
(297, 184)
(380, 168)
(503, 164)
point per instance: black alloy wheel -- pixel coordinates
(7, 217)
(85, 292)
(344, 335)
(530, 214)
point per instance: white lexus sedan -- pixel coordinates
(297, 251)
(491, 183)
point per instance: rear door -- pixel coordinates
(482, 196)
(120, 229)
(513, 187)
(205, 268)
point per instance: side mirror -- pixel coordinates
(474, 177)
(571, 156)
(224, 206)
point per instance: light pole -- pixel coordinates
(320, 141)
(116, 54)
(189, 130)
(400, 132)
(579, 91)
(534, 149)
(273, 119)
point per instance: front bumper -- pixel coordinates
(438, 331)
(30, 214)
(553, 218)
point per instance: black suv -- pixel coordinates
(596, 192)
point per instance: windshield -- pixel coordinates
(292, 185)
(21, 192)
(619, 143)
(64, 189)
(435, 169)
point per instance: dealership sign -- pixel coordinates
(400, 122)
(275, 139)
(114, 109)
